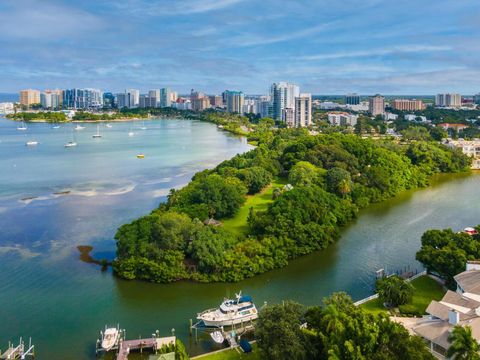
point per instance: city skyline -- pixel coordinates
(327, 48)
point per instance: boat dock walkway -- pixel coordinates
(140, 344)
(19, 351)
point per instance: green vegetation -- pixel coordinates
(235, 354)
(464, 345)
(333, 177)
(336, 330)
(83, 115)
(445, 252)
(394, 291)
(425, 289)
(43, 116)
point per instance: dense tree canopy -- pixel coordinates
(394, 291)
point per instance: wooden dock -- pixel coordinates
(19, 351)
(150, 343)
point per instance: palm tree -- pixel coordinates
(464, 345)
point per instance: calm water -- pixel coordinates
(46, 292)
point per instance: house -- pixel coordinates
(458, 127)
(460, 307)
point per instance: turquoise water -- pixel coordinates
(46, 291)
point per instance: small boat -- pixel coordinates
(131, 133)
(108, 125)
(70, 144)
(141, 156)
(97, 135)
(79, 127)
(22, 127)
(31, 143)
(143, 127)
(56, 127)
(218, 337)
(110, 338)
(230, 312)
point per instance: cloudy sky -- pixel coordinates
(326, 46)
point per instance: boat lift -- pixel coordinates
(19, 351)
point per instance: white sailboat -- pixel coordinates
(22, 127)
(143, 127)
(71, 143)
(31, 143)
(97, 135)
(230, 312)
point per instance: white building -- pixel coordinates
(412, 117)
(165, 97)
(376, 105)
(342, 119)
(49, 100)
(283, 97)
(288, 117)
(470, 148)
(303, 110)
(7, 108)
(448, 100)
(129, 99)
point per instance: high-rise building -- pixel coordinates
(129, 99)
(283, 97)
(147, 101)
(165, 97)
(49, 100)
(448, 100)
(82, 98)
(342, 118)
(288, 116)
(235, 101)
(173, 96)
(155, 97)
(264, 106)
(352, 99)
(476, 99)
(29, 97)
(376, 105)
(216, 101)
(303, 110)
(407, 105)
(108, 100)
(199, 101)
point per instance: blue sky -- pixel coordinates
(326, 46)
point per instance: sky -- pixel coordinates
(325, 46)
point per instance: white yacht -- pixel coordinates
(131, 133)
(31, 143)
(70, 144)
(108, 125)
(110, 338)
(79, 127)
(230, 312)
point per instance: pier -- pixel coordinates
(154, 343)
(234, 332)
(18, 352)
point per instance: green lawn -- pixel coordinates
(426, 290)
(260, 201)
(234, 354)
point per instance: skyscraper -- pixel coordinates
(352, 99)
(29, 97)
(303, 110)
(235, 101)
(82, 98)
(129, 99)
(155, 97)
(165, 97)
(376, 105)
(49, 100)
(283, 97)
(448, 100)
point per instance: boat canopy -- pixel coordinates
(245, 298)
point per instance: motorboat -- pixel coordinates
(131, 133)
(97, 135)
(141, 156)
(230, 312)
(110, 338)
(79, 127)
(217, 336)
(70, 144)
(31, 143)
(22, 127)
(108, 125)
(143, 127)
(56, 127)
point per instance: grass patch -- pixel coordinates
(234, 354)
(259, 202)
(426, 290)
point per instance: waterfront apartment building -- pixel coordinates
(165, 97)
(470, 148)
(216, 101)
(342, 119)
(235, 101)
(82, 98)
(407, 105)
(29, 97)
(147, 101)
(303, 110)
(50, 100)
(283, 96)
(352, 99)
(376, 105)
(129, 99)
(448, 100)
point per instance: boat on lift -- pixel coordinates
(230, 312)
(110, 338)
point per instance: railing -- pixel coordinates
(375, 296)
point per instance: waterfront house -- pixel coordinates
(469, 147)
(460, 307)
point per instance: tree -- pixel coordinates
(304, 173)
(339, 181)
(464, 345)
(394, 290)
(255, 178)
(278, 332)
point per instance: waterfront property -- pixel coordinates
(468, 147)
(456, 308)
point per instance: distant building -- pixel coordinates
(199, 101)
(216, 101)
(352, 99)
(129, 99)
(29, 97)
(235, 101)
(155, 96)
(288, 117)
(108, 100)
(342, 119)
(49, 100)
(147, 101)
(328, 105)
(182, 104)
(470, 148)
(303, 110)
(283, 96)
(6, 108)
(264, 106)
(407, 105)
(173, 96)
(413, 117)
(250, 106)
(376, 105)
(165, 97)
(458, 127)
(448, 100)
(476, 99)
(82, 99)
